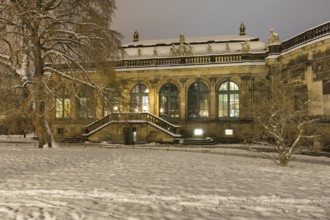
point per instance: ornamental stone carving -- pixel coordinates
(136, 36)
(242, 29)
(209, 48)
(183, 49)
(155, 52)
(245, 46)
(274, 38)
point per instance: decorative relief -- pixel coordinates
(183, 82)
(322, 69)
(297, 73)
(322, 66)
(182, 49)
(302, 59)
(213, 81)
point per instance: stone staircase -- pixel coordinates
(132, 117)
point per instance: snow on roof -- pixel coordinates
(194, 40)
(195, 46)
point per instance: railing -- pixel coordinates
(172, 61)
(208, 59)
(96, 125)
(131, 117)
(308, 35)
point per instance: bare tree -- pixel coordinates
(46, 41)
(282, 121)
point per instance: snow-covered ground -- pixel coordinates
(97, 182)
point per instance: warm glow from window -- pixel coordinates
(63, 107)
(145, 108)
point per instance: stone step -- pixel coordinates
(198, 141)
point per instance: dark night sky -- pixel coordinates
(163, 19)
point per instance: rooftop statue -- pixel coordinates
(155, 52)
(173, 50)
(246, 46)
(136, 36)
(274, 38)
(242, 29)
(182, 39)
(190, 50)
(209, 48)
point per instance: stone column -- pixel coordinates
(213, 98)
(183, 99)
(315, 93)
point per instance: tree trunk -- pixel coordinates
(43, 131)
(37, 99)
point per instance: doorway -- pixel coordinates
(130, 136)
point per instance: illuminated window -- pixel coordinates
(63, 107)
(198, 100)
(140, 98)
(169, 102)
(228, 98)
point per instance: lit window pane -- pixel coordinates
(140, 98)
(228, 100)
(67, 108)
(198, 100)
(59, 108)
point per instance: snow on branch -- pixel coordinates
(74, 79)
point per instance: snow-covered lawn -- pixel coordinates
(126, 183)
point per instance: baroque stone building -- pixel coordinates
(202, 87)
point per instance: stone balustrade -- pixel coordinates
(192, 60)
(307, 36)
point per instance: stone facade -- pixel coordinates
(211, 84)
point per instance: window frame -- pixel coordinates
(63, 107)
(173, 99)
(142, 95)
(229, 96)
(196, 96)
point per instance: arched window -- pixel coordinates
(169, 102)
(228, 97)
(140, 98)
(198, 100)
(86, 103)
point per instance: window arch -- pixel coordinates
(198, 100)
(228, 96)
(140, 98)
(169, 101)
